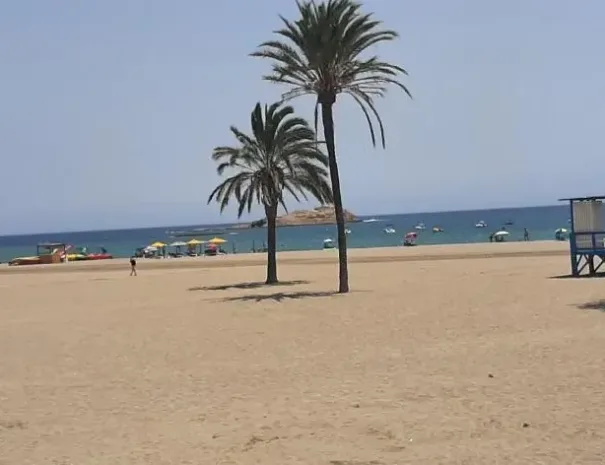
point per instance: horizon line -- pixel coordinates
(79, 231)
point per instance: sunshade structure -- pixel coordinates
(195, 242)
(158, 245)
(217, 240)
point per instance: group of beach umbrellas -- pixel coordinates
(192, 242)
(215, 241)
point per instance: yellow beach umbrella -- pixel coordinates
(158, 245)
(217, 240)
(194, 242)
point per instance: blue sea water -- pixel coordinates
(458, 226)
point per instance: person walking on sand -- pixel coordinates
(133, 266)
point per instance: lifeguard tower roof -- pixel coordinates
(583, 199)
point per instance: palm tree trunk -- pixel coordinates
(271, 212)
(328, 124)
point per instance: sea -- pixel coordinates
(458, 228)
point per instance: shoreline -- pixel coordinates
(317, 257)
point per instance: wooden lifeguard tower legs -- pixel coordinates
(587, 237)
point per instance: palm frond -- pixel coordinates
(280, 156)
(322, 52)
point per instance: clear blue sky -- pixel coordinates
(109, 109)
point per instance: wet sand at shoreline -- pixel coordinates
(438, 360)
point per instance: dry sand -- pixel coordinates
(434, 361)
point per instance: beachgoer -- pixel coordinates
(491, 237)
(525, 234)
(133, 266)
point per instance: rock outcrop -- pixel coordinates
(319, 215)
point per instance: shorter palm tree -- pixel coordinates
(281, 157)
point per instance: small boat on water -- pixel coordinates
(328, 244)
(509, 223)
(371, 220)
(347, 231)
(389, 230)
(437, 229)
(420, 227)
(410, 239)
(481, 224)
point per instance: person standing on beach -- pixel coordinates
(133, 266)
(525, 234)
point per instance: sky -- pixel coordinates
(109, 110)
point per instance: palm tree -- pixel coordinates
(281, 157)
(320, 54)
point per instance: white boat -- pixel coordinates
(371, 220)
(481, 224)
(420, 227)
(347, 231)
(389, 230)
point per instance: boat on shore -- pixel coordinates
(328, 244)
(410, 239)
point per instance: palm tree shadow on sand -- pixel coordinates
(246, 286)
(594, 305)
(279, 296)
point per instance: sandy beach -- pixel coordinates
(470, 354)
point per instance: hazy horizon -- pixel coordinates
(111, 109)
(245, 220)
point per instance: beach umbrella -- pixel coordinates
(195, 242)
(501, 233)
(158, 245)
(561, 231)
(217, 240)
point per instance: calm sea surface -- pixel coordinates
(459, 227)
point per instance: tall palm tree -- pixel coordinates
(320, 54)
(280, 157)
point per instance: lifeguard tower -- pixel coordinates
(587, 236)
